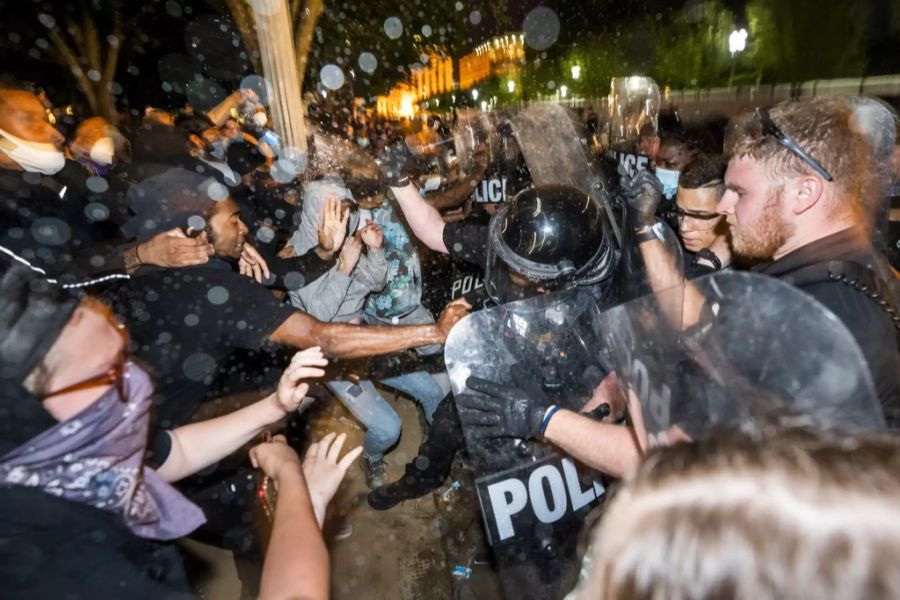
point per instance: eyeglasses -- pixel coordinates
(115, 376)
(771, 129)
(701, 220)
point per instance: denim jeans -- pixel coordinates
(381, 421)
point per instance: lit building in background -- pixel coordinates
(501, 56)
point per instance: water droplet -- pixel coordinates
(97, 184)
(368, 62)
(393, 27)
(217, 295)
(541, 28)
(331, 77)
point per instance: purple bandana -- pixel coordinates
(96, 458)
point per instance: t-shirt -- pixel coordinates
(185, 322)
(866, 320)
(403, 291)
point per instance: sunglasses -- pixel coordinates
(769, 128)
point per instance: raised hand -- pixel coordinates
(372, 235)
(292, 388)
(324, 472)
(350, 254)
(333, 225)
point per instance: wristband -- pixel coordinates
(137, 255)
(547, 415)
(645, 234)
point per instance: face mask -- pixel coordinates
(102, 151)
(97, 458)
(669, 180)
(33, 159)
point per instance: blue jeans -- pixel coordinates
(381, 421)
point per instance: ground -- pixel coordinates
(405, 553)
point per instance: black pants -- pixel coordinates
(442, 441)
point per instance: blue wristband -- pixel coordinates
(547, 417)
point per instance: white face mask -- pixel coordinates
(102, 151)
(669, 179)
(34, 157)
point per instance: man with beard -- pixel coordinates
(795, 209)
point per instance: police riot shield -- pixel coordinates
(736, 351)
(532, 498)
(633, 113)
(475, 132)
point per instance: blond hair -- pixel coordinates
(825, 129)
(796, 516)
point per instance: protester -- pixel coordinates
(703, 231)
(795, 515)
(84, 513)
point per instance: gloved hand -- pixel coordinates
(514, 411)
(643, 192)
(395, 163)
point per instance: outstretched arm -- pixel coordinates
(198, 445)
(342, 340)
(424, 219)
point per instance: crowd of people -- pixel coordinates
(148, 272)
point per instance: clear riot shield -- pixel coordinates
(475, 131)
(736, 351)
(557, 153)
(532, 498)
(633, 113)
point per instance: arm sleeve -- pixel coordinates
(255, 314)
(323, 298)
(467, 243)
(372, 270)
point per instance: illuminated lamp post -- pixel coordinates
(737, 42)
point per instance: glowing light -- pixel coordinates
(511, 86)
(475, 94)
(737, 41)
(563, 90)
(576, 71)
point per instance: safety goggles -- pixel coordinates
(701, 220)
(769, 128)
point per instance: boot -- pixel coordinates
(375, 473)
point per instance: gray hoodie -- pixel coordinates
(335, 296)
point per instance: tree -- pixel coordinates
(78, 42)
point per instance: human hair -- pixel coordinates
(798, 515)
(822, 127)
(705, 171)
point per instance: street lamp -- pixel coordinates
(474, 94)
(563, 90)
(511, 86)
(576, 71)
(737, 42)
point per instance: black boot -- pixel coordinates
(432, 466)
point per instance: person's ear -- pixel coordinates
(805, 192)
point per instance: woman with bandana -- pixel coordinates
(85, 509)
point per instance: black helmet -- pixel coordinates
(551, 236)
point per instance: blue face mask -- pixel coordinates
(669, 181)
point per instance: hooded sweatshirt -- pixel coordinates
(335, 296)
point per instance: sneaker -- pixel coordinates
(404, 488)
(375, 473)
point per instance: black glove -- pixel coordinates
(395, 163)
(643, 192)
(503, 410)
